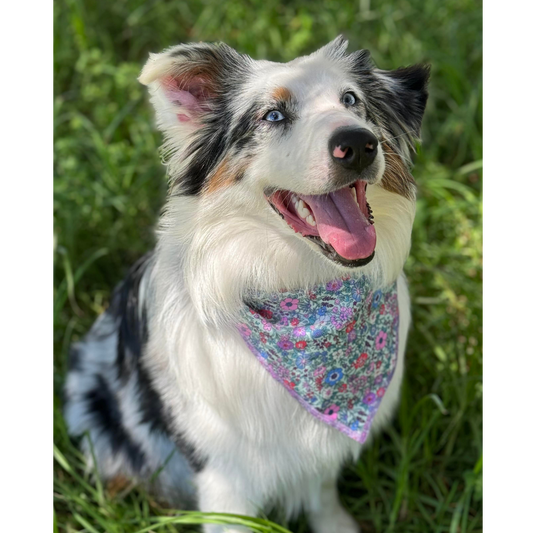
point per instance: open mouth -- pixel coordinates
(339, 222)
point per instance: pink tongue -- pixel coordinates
(341, 223)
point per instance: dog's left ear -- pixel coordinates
(408, 90)
(185, 81)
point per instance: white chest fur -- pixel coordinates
(247, 425)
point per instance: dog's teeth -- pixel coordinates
(295, 199)
(302, 209)
(311, 220)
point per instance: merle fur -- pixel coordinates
(131, 329)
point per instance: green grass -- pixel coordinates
(424, 473)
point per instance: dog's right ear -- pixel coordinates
(185, 81)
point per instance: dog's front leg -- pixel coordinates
(218, 492)
(326, 514)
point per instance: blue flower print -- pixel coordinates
(334, 376)
(302, 360)
(377, 299)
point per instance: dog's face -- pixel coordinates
(313, 153)
(320, 150)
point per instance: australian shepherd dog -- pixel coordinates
(281, 177)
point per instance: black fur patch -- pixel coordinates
(196, 462)
(214, 140)
(131, 319)
(132, 337)
(242, 133)
(207, 151)
(219, 132)
(105, 411)
(409, 88)
(150, 404)
(154, 414)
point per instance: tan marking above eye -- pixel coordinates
(281, 93)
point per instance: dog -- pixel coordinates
(282, 178)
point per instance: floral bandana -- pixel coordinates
(334, 347)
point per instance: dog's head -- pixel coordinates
(300, 167)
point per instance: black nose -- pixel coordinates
(353, 148)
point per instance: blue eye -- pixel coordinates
(274, 116)
(349, 99)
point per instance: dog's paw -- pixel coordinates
(339, 522)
